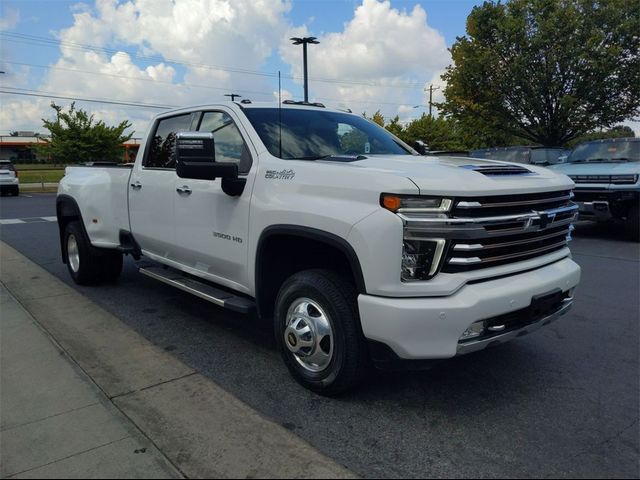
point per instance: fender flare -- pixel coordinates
(321, 236)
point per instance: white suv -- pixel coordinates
(9, 181)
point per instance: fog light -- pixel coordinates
(475, 330)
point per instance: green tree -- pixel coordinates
(76, 137)
(619, 131)
(438, 133)
(546, 71)
(395, 127)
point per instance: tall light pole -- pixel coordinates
(304, 41)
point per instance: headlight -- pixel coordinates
(421, 259)
(414, 203)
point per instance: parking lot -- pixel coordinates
(560, 403)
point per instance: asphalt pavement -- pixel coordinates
(562, 402)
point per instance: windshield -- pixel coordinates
(515, 155)
(547, 155)
(314, 134)
(607, 152)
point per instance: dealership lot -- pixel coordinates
(563, 402)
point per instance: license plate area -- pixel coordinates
(541, 305)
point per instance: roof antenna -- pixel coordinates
(280, 111)
(233, 96)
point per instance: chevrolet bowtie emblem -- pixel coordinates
(546, 219)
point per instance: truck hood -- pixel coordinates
(597, 168)
(461, 176)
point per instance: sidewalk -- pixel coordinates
(54, 422)
(83, 395)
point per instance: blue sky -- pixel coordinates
(373, 54)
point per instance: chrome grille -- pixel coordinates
(488, 231)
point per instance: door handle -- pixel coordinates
(184, 190)
(136, 186)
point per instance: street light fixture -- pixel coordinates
(304, 41)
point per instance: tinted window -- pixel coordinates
(309, 134)
(230, 147)
(547, 155)
(504, 155)
(164, 141)
(7, 166)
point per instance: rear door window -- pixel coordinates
(163, 142)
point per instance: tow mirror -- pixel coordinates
(196, 158)
(421, 147)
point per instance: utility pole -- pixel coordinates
(431, 89)
(304, 41)
(233, 96)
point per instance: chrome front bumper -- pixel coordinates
(477, 345)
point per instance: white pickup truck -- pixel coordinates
(358, 249)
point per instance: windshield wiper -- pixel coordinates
(336, 157)
(591, 160)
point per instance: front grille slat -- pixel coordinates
(502, 229)
(476, 247)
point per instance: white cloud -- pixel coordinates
(382, 58)
(173, 42)
(10, 19)
(381, 45)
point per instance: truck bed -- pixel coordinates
(100, 191)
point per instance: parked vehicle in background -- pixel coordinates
(525, 154)
(449, 153)
(9, 181)
(354, 246)
(607, 173)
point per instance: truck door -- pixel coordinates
(212, 227)
(152, 188)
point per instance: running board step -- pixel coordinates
(200, 289)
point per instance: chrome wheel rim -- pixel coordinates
(308, 335)
(73, 254)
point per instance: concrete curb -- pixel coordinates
(202, 430)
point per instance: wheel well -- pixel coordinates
(66, 211)
(283, 252)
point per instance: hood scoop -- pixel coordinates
(498, 169)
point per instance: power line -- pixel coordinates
(30, 39)
(78, 99)
(114, 75)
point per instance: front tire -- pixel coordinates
(318, 332)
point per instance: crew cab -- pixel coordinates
(354, 246)
(607, 177)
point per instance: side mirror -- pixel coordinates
(421, 147)
(196, 158)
